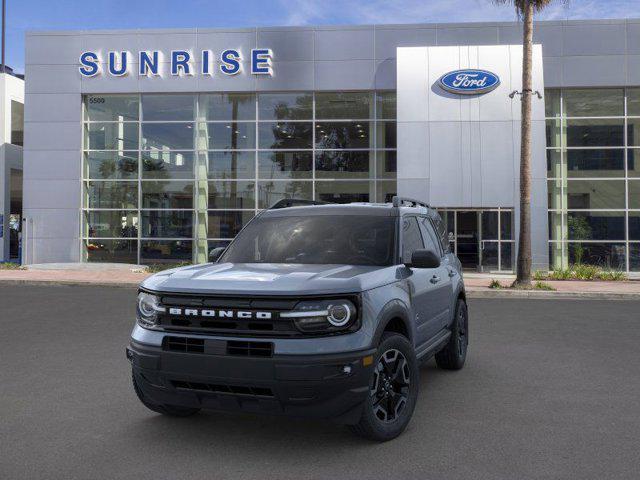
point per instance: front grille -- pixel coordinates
(219, 388)
(184, 344)
(250, 349)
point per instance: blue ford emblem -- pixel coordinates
(469, 82)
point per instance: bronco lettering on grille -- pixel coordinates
(240, 314)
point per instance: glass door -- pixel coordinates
(468, 238)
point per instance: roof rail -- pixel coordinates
(295, 202)
(399, 201)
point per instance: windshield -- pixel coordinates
(349, 239)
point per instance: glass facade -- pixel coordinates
(593, 149)
(167, 177)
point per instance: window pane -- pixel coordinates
(386, 105)
(112, 108)
(230, 164)
(634, 225)
(386, 190)
(112, 195)
(285, 165)
(489, 255)
(633, 132)
(386, 135)
(555, 199)
(344, 192)
(595, 194)
(17, 123)
(111, 136)
(273, 191)
(595, 133)
(166, 251)
(552, 103)
(387, 164)
(343, 164)
(227, 106)
(506, 256)
(167, 164)
(554, 164)
(111, 223)
(111, 165)
(593, 102)
(633, 162)
(287, 135)
(227, 224)
(633, 101)
(634, 194)
(596, 225)
(172, 224)
(168, 136)
(634, 257)
(285, 106)
(112, 251)
(489, 225)
(411, 238)
(168, 107)
(334, 105)
(610, 256)
(232, 195)
(595, 163)
(229, 136)
(555, 130)
(167, 194)
(332, 135)
(217, 243)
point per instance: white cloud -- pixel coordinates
(305, 12)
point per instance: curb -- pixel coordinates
(545, 295)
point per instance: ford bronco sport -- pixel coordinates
(316, 310)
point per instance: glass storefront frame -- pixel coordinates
(591, 208)
(335, 183)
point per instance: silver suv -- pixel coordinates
(314, 310)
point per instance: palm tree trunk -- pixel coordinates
(524, 246)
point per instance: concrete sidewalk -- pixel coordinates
(129, 276)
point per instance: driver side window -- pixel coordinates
(411, 238)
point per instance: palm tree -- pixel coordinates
(525, 10)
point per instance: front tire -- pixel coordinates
(454, 354)
(393, 390)
(169, 410)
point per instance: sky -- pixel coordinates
(25, 15)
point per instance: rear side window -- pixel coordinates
(441, 231)
(411, 238)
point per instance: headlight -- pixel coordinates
(148, 309)
(323, 316)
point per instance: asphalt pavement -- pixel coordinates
(551, 390)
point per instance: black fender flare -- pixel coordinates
(393, 309)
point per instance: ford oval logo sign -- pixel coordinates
(469, 82)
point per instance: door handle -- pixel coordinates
(435, 279)
(452, 272)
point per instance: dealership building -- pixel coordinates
(155, 146)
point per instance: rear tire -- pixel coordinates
(393, 390)
(454, 354)
(169, 410)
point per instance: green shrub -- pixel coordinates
(540, 275)
(10, 266)
(159, 267)
(543, 286)
(585, 272)
(611, 275)
(561, 274)
(495, 284)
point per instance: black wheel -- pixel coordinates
(393, 390)
(170, 410)
(454, 354)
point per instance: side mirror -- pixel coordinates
(215, 254)
(424, 259)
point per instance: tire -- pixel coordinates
(393, 390)
(454, 354)
(169, 410)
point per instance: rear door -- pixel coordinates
(420, 282)
(443, 287)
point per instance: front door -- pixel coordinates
(468, 239)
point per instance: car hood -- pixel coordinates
(270, 279)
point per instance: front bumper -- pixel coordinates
(316, 386)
